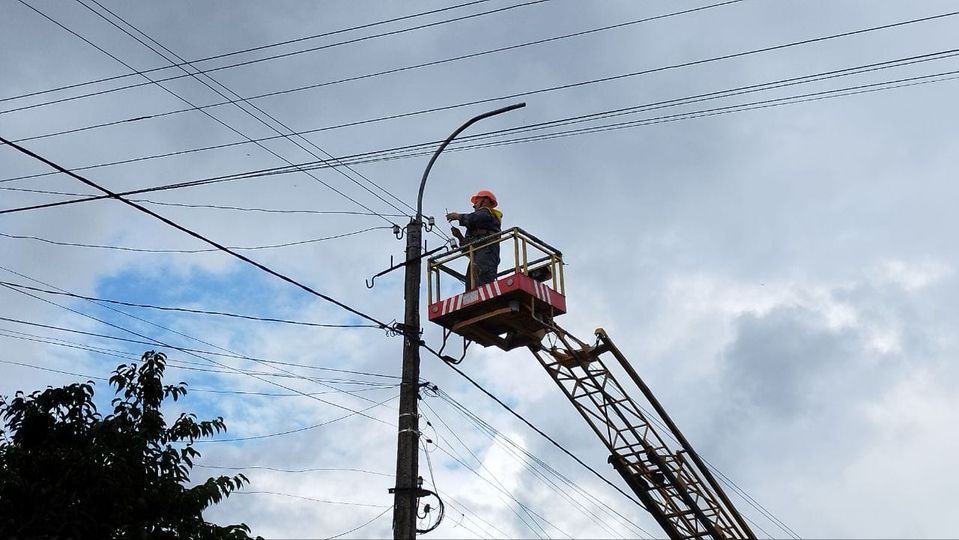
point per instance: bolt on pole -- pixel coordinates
(407, 490)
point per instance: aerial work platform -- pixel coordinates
(671, 481)
(514, 310)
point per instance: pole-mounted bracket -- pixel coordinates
(416, 492)
(372, 281)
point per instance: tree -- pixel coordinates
(67, 472)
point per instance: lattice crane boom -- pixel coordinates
(667, 475)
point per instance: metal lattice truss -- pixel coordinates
(674, 485)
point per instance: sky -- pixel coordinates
(755, 199)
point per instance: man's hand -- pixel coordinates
(453, 216)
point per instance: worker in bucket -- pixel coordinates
(483, 221)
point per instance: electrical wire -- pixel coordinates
(483, 532)
(190, 366)
(214, 362)
(236, 103)
(191, 251)
(188, 350)
(193, 106)
(253, 49)
(499, 438)
(441, 511)
(398, 152)
(277, 469)
(273, 57)
(602, 79)
(529, 424)
(521, 454)
(536, 473)
(354, 529)
(762, 104)
(267, 210)
(466, 143)
(301, 429)
(324, 501)
(200, 237)
(392, 71)
(534, 516)
(200, 390)
(187, 310)
(228, 352)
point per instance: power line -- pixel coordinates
(269, 210)
(324, 501)
(200, 390)
(187, 310)
(408, 151)
(211, 361)
(354, 529)
(188, 350)
(184, 100)
(253, 49)
(192, 366)
(394, 70)
(542, 477)
(533, 427)
(199, 236)
(591, 81)
(301, 429)
(184, 365)
(498, 483)
(221, 94)
(532, 514)
(277, 469)
(274, 57)
(190, 251)
(499, 438)
(365, 157)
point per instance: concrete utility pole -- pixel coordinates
(408, 490)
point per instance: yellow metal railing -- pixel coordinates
(530, 256)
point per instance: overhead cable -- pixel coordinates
(409, 151)
(390, 71)
(301, 429)
(267, 210)
(273, 57)
(208, 360)
(512, 448)
(362, 525)
(193, 366)
(252, 49)
(313, 499)
(192, 389)
(621, 76)
(199, 236)
(186, 101)
(542, 477)
(278, 469)
(187, 310)
(188, 350)
(533, 427)
(364, 157)
(238, 105)
(206, 250)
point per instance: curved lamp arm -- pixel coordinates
(470, 122)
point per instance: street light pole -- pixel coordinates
(407, 489)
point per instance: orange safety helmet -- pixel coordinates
(484, 193)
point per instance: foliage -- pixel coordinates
(67, 472)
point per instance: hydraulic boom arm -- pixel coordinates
(669, 478)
